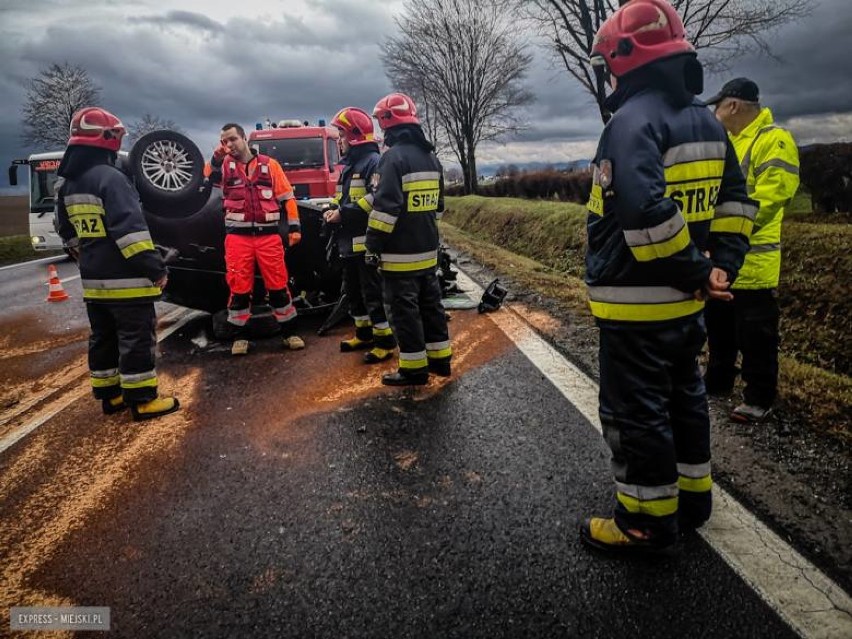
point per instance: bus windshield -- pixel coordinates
(293, 153)
(42, 184)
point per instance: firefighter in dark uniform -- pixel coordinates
(99, 217)
(402, 239)
(353, 203)
(668, 226)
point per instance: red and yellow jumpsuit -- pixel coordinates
(254, 195)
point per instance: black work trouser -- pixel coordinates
(653, 410)
(364, 286)
(416, 314)
(747, 325)
(122, 351)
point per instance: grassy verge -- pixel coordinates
(17, 248)
(540, 245)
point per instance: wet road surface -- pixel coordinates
(294, 496)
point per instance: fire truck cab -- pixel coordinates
(308, 155)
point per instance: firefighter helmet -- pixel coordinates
(395, 109)
(355, 124)
(640, 32)
(93, 126)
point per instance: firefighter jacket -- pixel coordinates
(118, 261)
(407, 202)
(355, 198)
(253, 195)
(666, 188)
(770, 161)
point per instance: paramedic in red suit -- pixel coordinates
(255, 193)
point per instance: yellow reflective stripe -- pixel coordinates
(137, 247)
(439, 354)
(120, 293)
(595, 203)
(103, 382)
(666, 248)
(695, 485)
(380, 226)
(144, 383)
(382, 332)
(702, 170)
(731, 225)
(421, 185)
(409, 266)
(359, 248)
(85, 209)
(362, 322)
(357, 191)
(413, 363)
(365, 205)
(644, 312)
(654, 507)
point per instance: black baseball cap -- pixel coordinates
(741, 88)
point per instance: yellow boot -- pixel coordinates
(605, 535)
(113, 405)
(155, 408)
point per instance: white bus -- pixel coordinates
(42, 176)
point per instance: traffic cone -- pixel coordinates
(55, 291)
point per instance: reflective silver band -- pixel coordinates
(693, 152)
(637, 294)
(421, 175)
(646, 493)
(655, 234)
(132, 238)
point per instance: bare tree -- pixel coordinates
(727, 28)
(464, 65)
(149, 123)
(52, 99)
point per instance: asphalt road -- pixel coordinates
(294, 496)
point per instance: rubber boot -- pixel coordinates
(113, 405)
(294, 343)
(605, 535)
(405, 379)
(155, 408)
(377, 354)
(363, 339)
(240, 347)
(441, 369)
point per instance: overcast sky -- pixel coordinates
(204, 62)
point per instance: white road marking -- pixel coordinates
(179, 316)
(810, 602)
(41, 260)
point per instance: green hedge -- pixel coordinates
(814, 292)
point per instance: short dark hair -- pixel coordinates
(234, 125)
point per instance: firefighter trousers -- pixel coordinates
(747, 325)
(241, 254)
(416, 313)
(122, 349)
(364, 287)
(653, 410)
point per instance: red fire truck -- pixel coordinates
(308, 154)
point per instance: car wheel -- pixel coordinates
(168, 170)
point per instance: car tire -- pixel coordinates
(168, 170)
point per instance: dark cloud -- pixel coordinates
(201, 66)
(181, 18)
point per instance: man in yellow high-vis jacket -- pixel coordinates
(769, 159)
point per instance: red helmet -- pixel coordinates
(640, 32)
(395, 109)
(355, 124)
(93, 126)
